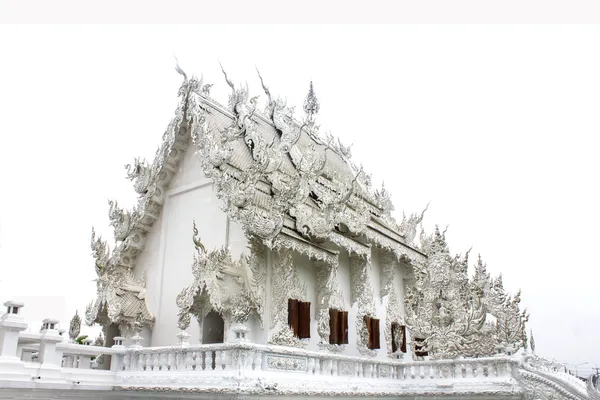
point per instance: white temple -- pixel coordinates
(259, 261)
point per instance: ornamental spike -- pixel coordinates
(179, 70)
(311, 103)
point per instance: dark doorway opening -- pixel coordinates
(213, 331)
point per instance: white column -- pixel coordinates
(12, 369)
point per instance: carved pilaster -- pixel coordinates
(362, 293)
(393, 315)
(388, 262)
(258, 265)
(329, 295)
(285, 285)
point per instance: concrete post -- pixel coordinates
(116, 360)
(50, 337)
(50, 357)
(11, 324)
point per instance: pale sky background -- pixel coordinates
(498, 126)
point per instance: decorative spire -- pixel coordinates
(311, 103)
(531, 341)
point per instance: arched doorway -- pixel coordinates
(213, 328)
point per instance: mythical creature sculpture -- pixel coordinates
(100, 252)
(141, 174)
(120, 220)
(408, 226)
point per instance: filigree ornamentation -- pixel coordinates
(284, 336)
(329, 295)
(221, 284)
(286, 363)
(286, 242)
(456, 316)
(362, 293)
(393, 314)
(335, 198)
(351, 245)
(120, 295)
(258, 264)
(399, 250)
(285, 285)
(388, 263)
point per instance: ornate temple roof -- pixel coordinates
(281, 179)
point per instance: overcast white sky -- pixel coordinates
(497, 126)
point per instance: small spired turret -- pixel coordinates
(311, 103)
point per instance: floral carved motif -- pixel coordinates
(286, 363)
(285, 285)
(329, 295)
(362, 293)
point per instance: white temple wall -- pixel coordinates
(148, 263)
(169, 249)
(236, 240)
(177, 250)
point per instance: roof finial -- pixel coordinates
(311, 103)
(179, 70)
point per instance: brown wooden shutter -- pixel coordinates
(304, 320)
(375, 331)
(403, 345)
(395, 333)
(293, 315)
(343, 338)
(367, 320)
(334, 328)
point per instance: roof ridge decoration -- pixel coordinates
(130, 227)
